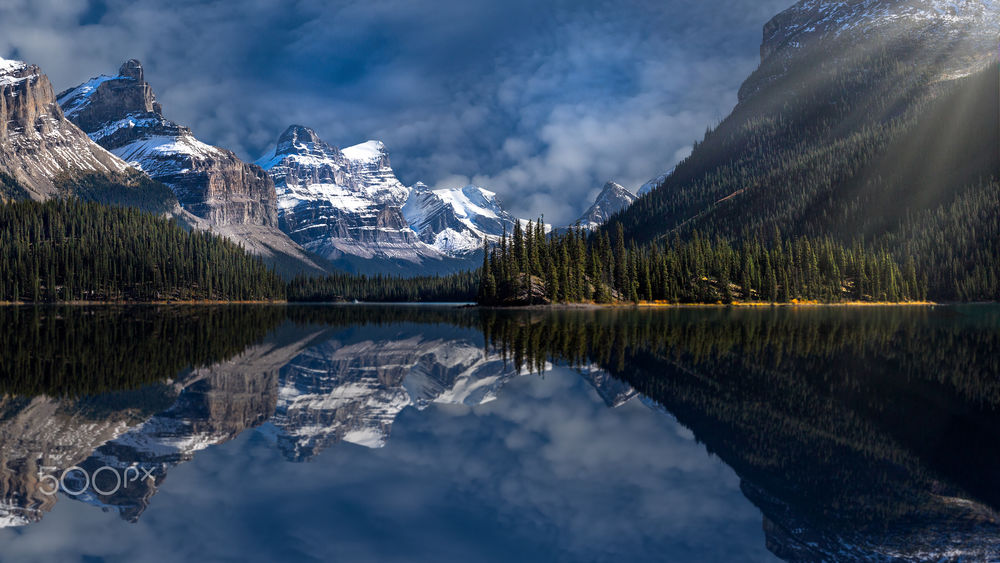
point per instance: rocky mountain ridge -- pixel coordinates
(37, 143)
(954, 38)
(225, 194)
(348, 206)
(121, 114)
(612, 199)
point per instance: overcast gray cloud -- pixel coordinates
(540, 101)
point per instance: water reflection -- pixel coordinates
(857, 433)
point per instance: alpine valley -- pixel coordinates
(869, 128)
(786, 346)
(307, 207)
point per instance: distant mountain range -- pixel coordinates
(306, 207)
(865, 120)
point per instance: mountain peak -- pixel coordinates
(612, 187)
(132, 68)
(959, 36)
(612, 199)
(299, 141)
(103, 100)
(298, 134)
(37, 143)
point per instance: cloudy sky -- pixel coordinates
(539, 101)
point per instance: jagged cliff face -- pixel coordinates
(953, 38)
(343, 204)
(37, 143)
(122, 115)
(612, 199)
(457, 220)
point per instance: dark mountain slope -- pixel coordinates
(855, 137)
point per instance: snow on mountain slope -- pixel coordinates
(365, 152)
(121, 113)
(9, 66)
(338, 205)
(457, 220)
(346, 204)
(612, 199)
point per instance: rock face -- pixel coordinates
(228, 196)
(959, 36)
(612, 199)
(341, 203)
(348, 206)
(459, 220)
(37, 143)
(122, 115)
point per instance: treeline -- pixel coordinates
(531, 267)
(460, 287)
(68, 250)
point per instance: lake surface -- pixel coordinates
(358, 433)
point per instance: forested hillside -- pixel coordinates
(864, 145)
(65, 250)
(533, 268)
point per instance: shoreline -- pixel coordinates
(549, 306)
(735, 305)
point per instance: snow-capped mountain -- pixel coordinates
(231, 197)
(37, 143)
(458, 220)
(121, 114)
(348, 206)
(341, 203)
(612, 199)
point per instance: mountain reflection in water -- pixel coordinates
(859, 434)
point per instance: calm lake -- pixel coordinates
(439, 434)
